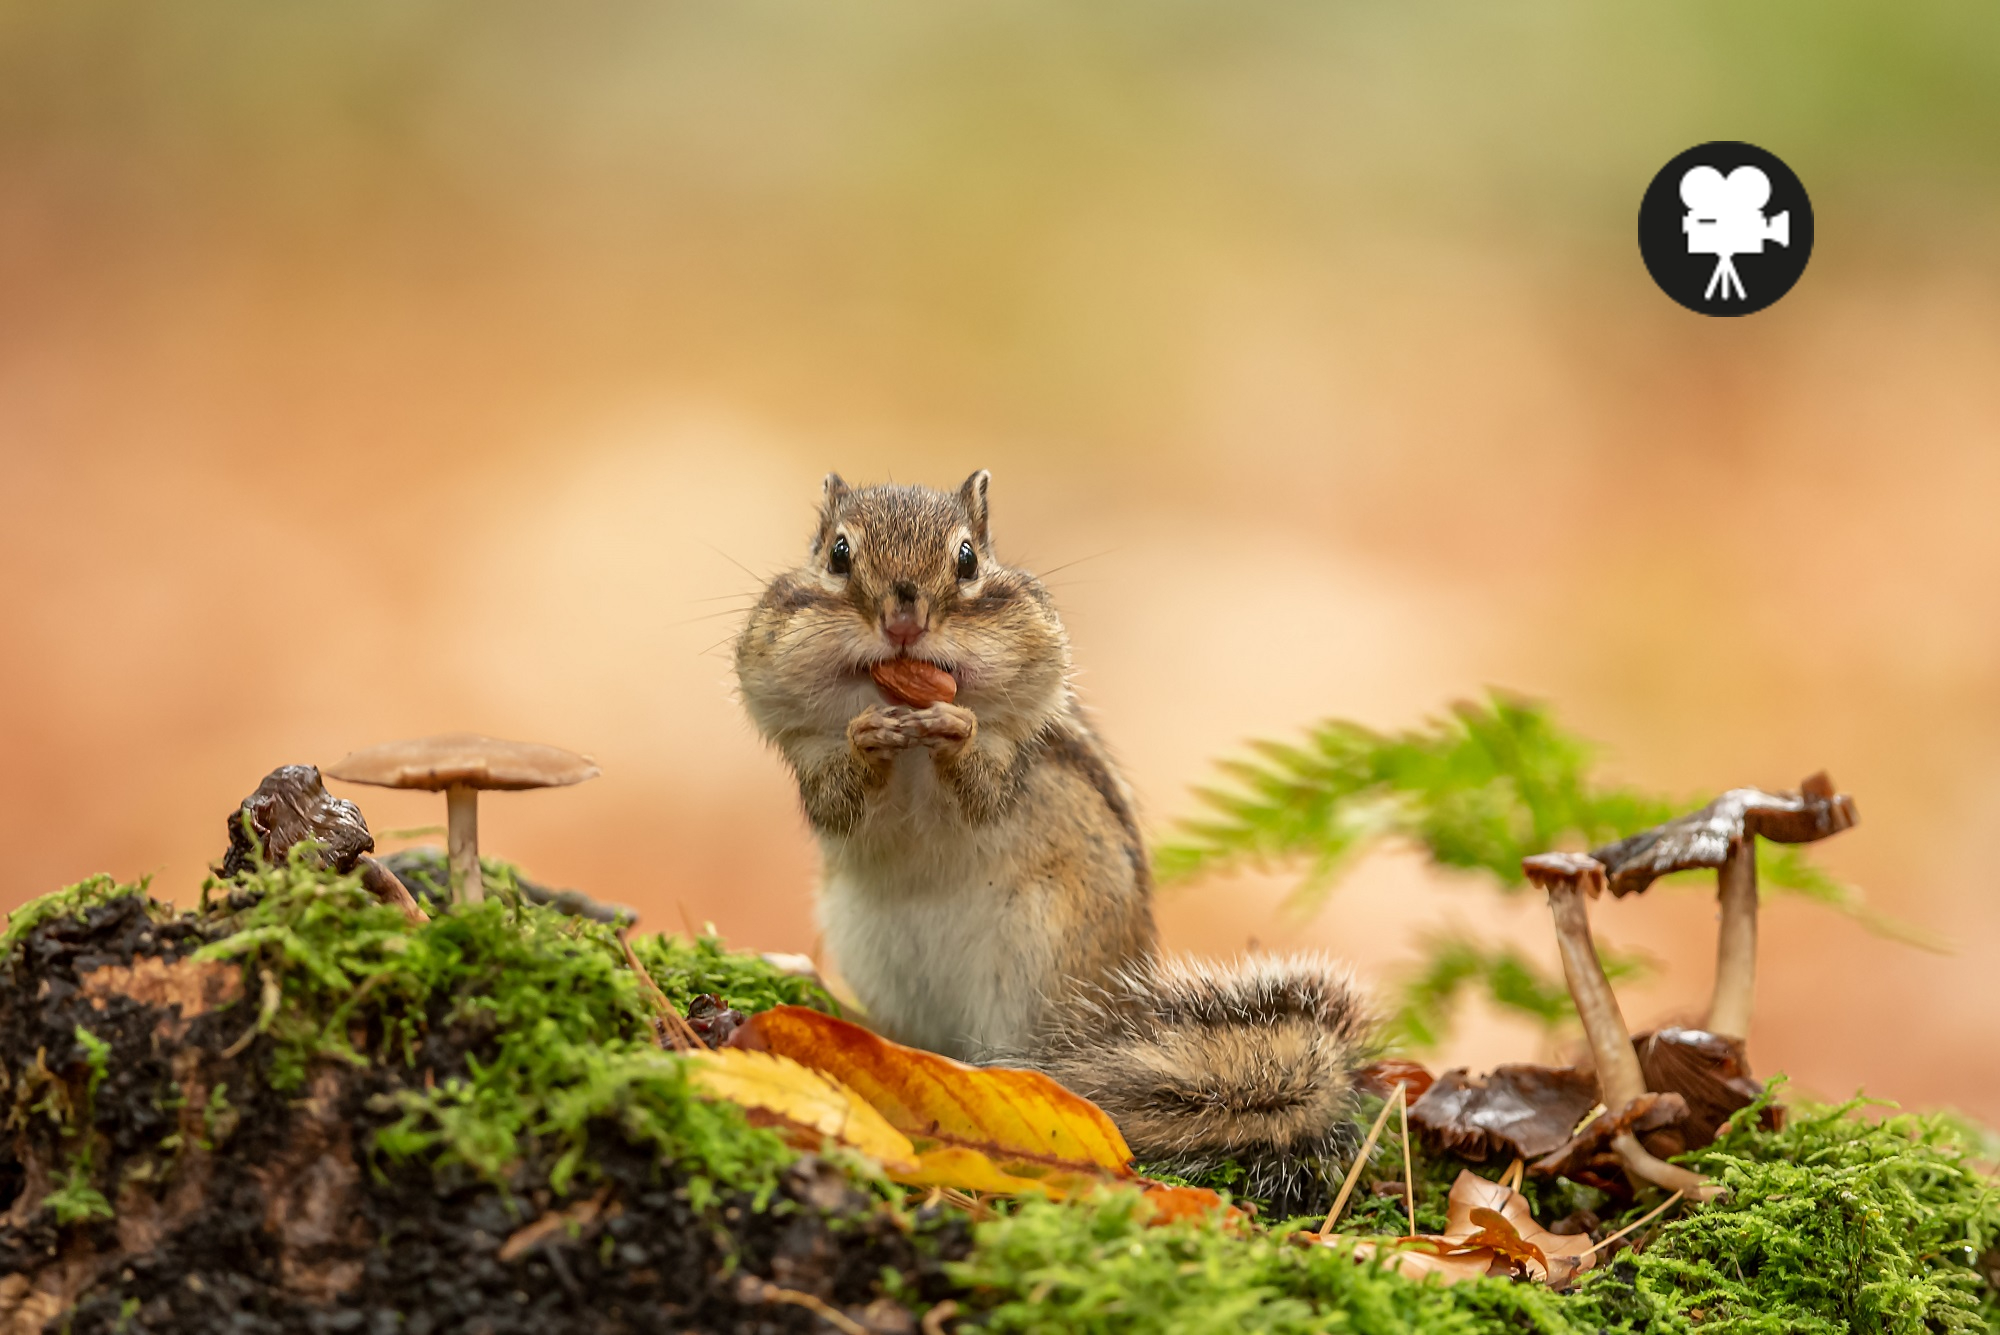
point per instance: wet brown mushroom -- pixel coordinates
(1722, 835)
(1569, 879)
(290, 807)
(1510, 1112)
(461, 765)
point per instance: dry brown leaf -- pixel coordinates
(811, 1101)
(1473, 1198)
(1381, 1078)
(1512, 1111)
(1418, 1262)
(1489, 1229)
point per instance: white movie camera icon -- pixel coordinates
(1725, 218)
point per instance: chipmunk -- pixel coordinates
(986, 892)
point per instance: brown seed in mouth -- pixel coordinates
(911, 681)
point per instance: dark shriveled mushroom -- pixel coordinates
(1723, 835)
(292, 806)
(1511, 1112)
(1570, 879)
(461, 765)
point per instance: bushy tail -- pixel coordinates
(1203, 1065)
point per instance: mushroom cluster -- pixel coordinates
(1667, 1091)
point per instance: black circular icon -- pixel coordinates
(1726, 228)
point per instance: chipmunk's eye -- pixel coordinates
(841, 559)
(968, 562)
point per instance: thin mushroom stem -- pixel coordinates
(462, 824)
(1736, 941)
(1641, 1163)
(1619, 1078)
(387, 887)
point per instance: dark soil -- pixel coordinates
(269, 1213)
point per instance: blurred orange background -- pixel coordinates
(383, 369)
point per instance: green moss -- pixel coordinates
(1832, 1224)
(71, 901)
(73, 1198)
(1835, 1223)
(1094, 1267)
(686, 969)
(520, 1027)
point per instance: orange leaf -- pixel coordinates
(1496, 1234)
(1487, 1225)
(1170, 1205)
(979, 1128)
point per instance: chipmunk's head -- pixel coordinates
(902, 572)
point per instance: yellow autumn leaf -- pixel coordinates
(1024, 1124)
(971, 1170)
(781, 1088)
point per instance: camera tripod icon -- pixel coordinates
(1725, 218)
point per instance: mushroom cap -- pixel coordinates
(464, 759)
(1703, 838)
(1550, 871)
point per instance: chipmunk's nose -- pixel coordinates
(905, 614)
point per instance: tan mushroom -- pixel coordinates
(1571, 879)
(461, 764)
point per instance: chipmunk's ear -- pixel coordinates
(832, 492)
(972, 496)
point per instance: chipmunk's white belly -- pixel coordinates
(926, 922)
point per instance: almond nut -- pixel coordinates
(911, 681)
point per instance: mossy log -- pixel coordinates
(184, 1152)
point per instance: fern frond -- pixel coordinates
(1479, 789)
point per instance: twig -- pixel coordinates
(1354, 1173)
(935, 1318)
(669, 1014)
(972, 1205)
(581, 1213)
(1409, 1177)
(1640, 1222)
(827, 1312)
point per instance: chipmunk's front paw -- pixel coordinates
(946, 729)
(880, 731)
